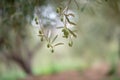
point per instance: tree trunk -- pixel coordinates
(119, 44)
(24, 64)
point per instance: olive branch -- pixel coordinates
(67, 33)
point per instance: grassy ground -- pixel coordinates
(13, 74)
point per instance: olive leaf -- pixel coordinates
(59, 44)
(83, 8)
(49, 35)
(71, 14)
(76, 4)
(69, 21)
(60, 27)
(41, 35)
(72, 33)
(72, 23)
(67, 33)
(54, 38)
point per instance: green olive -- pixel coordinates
(58, 9)
(52, 50)
(40, 32)
(70, 43)
(41, 38)
(61, 19)
(48, 45)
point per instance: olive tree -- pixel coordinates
(15, 16)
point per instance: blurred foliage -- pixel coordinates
(64, 16)
(97, 24)
(15, 21)
(14, 16)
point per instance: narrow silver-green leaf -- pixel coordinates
(76, 4)
(54, 38)
(48, 33)
(71, 14)
(41, 35)
(60, 27)
(59, 44)
(70, 21)
(72, 33)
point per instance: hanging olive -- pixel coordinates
(65, 32)
(40, 32)
(48, 45)
(36, 19)
(58, 9)
(61, 19)
(52, 50)
(41, 38)
(36, 22)
(70, 43)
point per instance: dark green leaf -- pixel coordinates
(72, 33)
(41, 35)
(70, 21)
(83, 8)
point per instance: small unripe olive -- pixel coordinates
(42, 39)
(58, 9)
(61, 19)
(48, 45)
(52, 50)
(36, 22)
(40, 32)
(70, 44)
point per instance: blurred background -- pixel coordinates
(95, 52)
